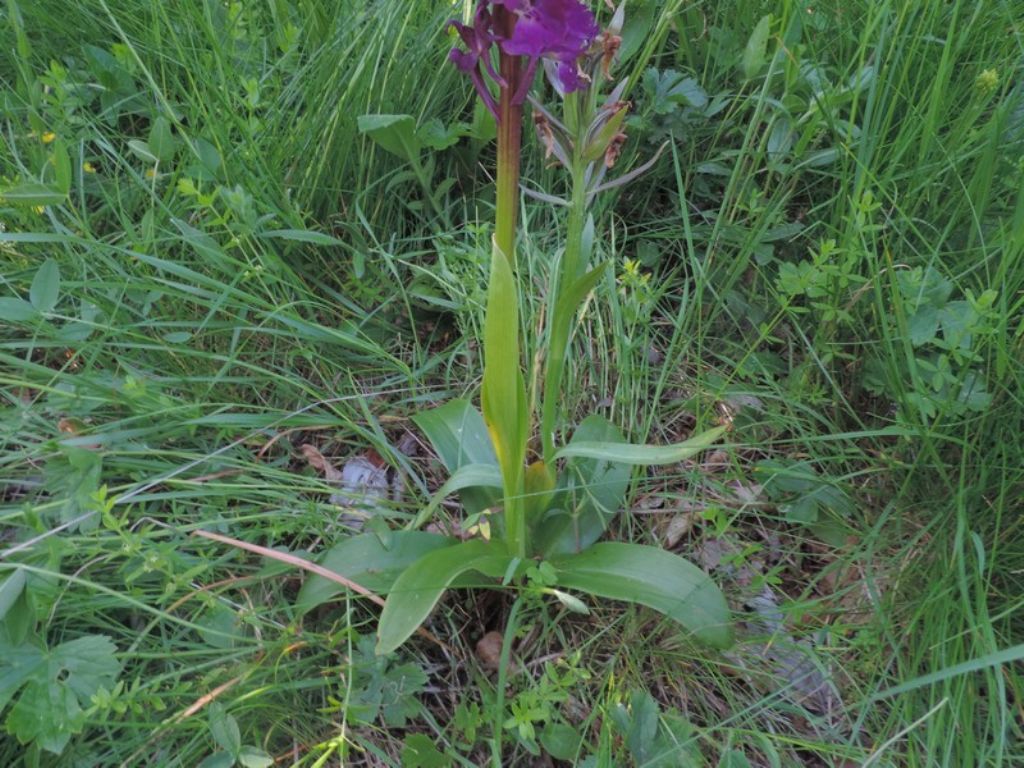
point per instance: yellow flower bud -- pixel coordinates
(987, 81)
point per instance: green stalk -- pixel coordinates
(510, 128)
(563, 313)
(503, 664)
(503, 396)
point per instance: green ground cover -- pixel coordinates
(215, 290)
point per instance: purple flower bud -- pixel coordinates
(478, 40)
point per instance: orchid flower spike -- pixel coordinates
(559, 32)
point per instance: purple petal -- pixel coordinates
(464, 60)
(569, 77)
(562, 28)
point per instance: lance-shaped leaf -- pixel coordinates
(543, 197)
(503, 394)
(592, 493)
(643, 455)
(365, 560)
(626, 177)
(459, 435)
(416, 592)
(33, 193)
(653, 577)
(45, 288)
(465, 477)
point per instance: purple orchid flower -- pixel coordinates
(556, 31)
(559, 31)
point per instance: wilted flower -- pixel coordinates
(610, 45)
(611, 154)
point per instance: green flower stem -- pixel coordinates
(503, 397)
(510, 129)
(560, 328)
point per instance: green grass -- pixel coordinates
(193, 349)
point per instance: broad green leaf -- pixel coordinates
(642, 729)
(395, 133)
(33, 193)
(58, 684)
(503, 394)
(17, 311)
(653, 577)
(367, 562)
(733, 758)
(923, 325)
(561, 741)
(419, 752)
(416, 592)
(142, 151)
(459, 435)
(640, 19)
(45, 286)
(592, 493)
(20, 617)
(210, 161)
(218, 760)
(643, 455)
(468, 476)
(224, 729)
(161, 141)
(10, 590)
(437, 136)
(755, 54)
(254, 757)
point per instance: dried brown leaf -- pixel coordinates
(320, 463)
(679, 526)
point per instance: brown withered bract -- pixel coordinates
(614, 149)
(544, 133)
(610, 45)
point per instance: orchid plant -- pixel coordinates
(545, 516)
